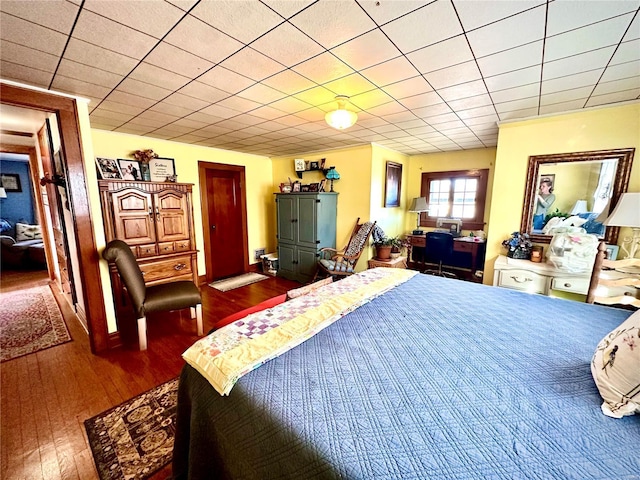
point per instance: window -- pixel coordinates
(457, 194)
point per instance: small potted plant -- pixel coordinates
(397, 244)
(383, 248)
(518, 246)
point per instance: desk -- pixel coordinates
(400, 262)
(469, 254)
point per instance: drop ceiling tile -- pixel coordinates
(126, 109)
(289, 82)
(358, 52)
(513, 59)
(617, 86)
(566, 96)
(627, 52)
(312, 115)
(142, 89)
(172, 131)
(323, 68)
(458, 74)
(441, 55)
(252, 64)
(288, 8)
(583, 79)
(625, 96)
(368, 100)
(94, 56)
(127, 98)
(290, 104)
(170, 109)
(317, 96)
(511, 32)
(261, 93)
(153, 18)
(220, 111)
(191, 124)
(245, 21)
(177, 60)
(596, 36)
(58, 16)
(226, 80)
(267, 112)
(188, 138)
(565, 15)
(203, 92)
(408, 88)
(478, 122)
(516, 105)
(633, 31)
(476, 112)
(287, 45)
(418, 131)
(31, 35)
(151, 116)
(595, 59)
(104, 121)
(132, 129)
(433, 23)
(145, 72)
(517, 114)
(464, 90)
(71, 69)
(78, 87)
(422, 100)
(198, 38)
(516, 93)
(445, 118)
(470, 102)
(562, 106)
(391, 71)
(350, 85)
(113, 36)
(20, 73)
(517, 78)
(622, 70)
(385, 129)
(29, 57)
(476, 14)
(406, 116)
(239, 104)
(432, 110)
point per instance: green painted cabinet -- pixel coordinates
(306, 223)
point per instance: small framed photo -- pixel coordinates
(296, 187)
(612, 252)
(108, 169)
(11, 182)
(314, 187)
(161, 169)
(321, 185)
(304, 188)
(299, 165)
(323, 162)
(314, 166)
(130, 169)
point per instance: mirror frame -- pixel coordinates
(621, 183)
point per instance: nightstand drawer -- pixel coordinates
(571, 284)
(523, 280)
(418, 240)
(166, 269)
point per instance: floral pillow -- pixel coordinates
(616, 369)
(27, 232)
(298, 292)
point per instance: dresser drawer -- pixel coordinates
(147, 250)
(166, 247)
(182, 245)
(571, 284)
(523, 280)
(418, 241)
(164, 269)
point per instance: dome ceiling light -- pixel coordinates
(341, 118)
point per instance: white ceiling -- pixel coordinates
(258, 76)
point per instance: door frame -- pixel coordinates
(203, 168)
(66, 113)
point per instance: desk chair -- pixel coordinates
(614, 282)
(164, 297)
(439, 249)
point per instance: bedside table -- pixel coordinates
(400, 262)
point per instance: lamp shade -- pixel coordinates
(579, 207)
(341, 118)
(333, 174)
(419, 204)
(627, 212)
(3, 193)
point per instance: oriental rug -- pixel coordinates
(237, 281)
(134, 440)
(30, 321)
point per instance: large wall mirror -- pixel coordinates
(583, 184)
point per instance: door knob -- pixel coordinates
(213, 227)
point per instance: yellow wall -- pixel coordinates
(598, 129)
(480, 158)
(259, 183)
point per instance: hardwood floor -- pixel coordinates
(46, 396)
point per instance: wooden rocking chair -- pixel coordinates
(341, 263)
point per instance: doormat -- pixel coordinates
(238, 281)
(135, 439)
(30, 321)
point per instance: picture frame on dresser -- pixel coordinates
(612, 252)
(161, 168)
(108, 169)
(131, 169)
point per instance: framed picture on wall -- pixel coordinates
(392, 184)
(11, 182)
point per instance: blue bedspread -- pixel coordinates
(437, 379)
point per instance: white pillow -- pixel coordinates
(27, 232)
(616, 369)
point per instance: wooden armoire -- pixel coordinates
(156, 221)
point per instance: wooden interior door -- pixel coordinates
(224, 220)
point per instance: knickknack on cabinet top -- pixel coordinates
(301, 165)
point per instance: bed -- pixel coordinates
(435, 378)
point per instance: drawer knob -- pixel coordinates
(568, 285)
(179, 266)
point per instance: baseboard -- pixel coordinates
(113, 340)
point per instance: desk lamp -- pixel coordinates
(418, 205)
(627, 214)
(332, 175)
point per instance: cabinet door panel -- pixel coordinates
(286, 259)
(287, 213)
(171, 216)
(307, 264)
(307, 221)
(133, 221)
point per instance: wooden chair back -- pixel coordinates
(614, 282)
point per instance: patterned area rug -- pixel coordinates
(238, 281)
(30, 321)
(135, 439)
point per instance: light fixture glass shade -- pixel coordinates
(579, 207)
(3, 193)
(341, 118)
(627, 212)
(333, 174)
(419, 204)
